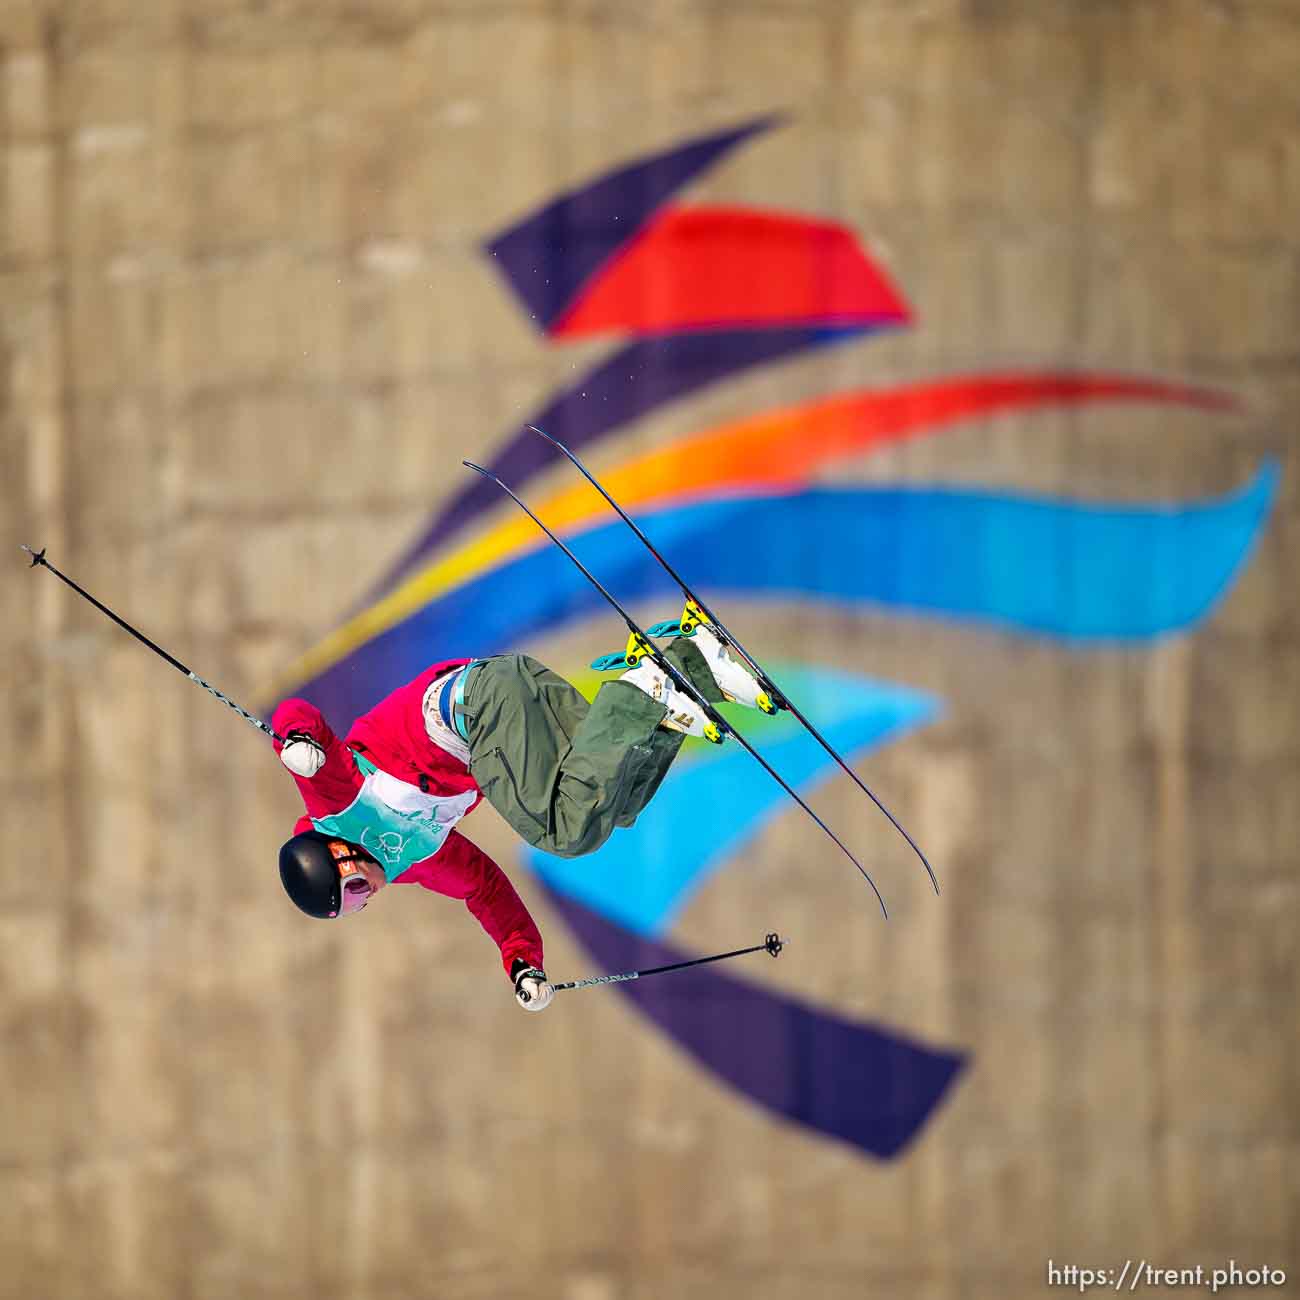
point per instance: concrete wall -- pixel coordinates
(245, 326)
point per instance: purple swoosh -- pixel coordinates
(550, 255)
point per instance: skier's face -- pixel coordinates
(361, 877)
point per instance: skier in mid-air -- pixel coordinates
(382, 803)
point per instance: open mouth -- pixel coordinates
(356, 894)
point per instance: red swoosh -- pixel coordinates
(724, 267)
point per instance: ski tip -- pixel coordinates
(557, 444)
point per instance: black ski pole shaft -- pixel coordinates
(38, 557)
(772, 944)
(740, 650)
(685, 686)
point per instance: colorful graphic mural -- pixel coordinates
(694, 296)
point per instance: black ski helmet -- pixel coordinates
(310, 873)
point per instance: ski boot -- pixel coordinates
(684, 714)
(734, 680)
(637, 649)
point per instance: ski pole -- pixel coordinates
(38, 557)
(772, 944)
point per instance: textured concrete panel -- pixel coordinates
(248, 330)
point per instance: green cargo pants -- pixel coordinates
(564, 773)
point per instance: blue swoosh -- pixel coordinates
(1076, 573)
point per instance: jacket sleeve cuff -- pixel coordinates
(516, 957)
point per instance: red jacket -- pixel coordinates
(392, 736)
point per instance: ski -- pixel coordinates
(696, 612)
(639, 643)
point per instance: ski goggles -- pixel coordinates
(354, 888)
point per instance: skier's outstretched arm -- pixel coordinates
(322, 765)
(460, 869)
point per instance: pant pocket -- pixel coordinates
(501, 789)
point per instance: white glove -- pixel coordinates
(302, 755)
(532, 990)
